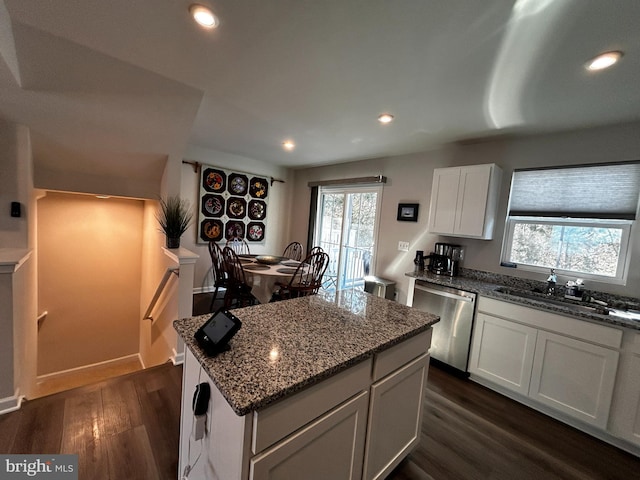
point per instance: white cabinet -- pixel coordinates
(464, 201)
(561, 362)
(503, 352)
(338, 436)
(395, 418)
(574, 377)
(625, 414)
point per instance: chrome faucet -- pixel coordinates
(551, 283)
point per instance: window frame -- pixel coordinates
(624, 258)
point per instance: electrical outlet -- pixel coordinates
(403, 246)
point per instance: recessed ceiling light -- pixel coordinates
(203, 15)
(103, 196)
(288, 145)
(604, 60)
(385, 118)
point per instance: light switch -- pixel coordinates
(403, 246)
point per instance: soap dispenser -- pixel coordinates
(551, 283)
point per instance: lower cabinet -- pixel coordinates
(625, 414)
(357, 424)
(338, 435)
(552, 359)
(395, 418)
(574, 377)
(503, 352)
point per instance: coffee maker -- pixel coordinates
(445, 259)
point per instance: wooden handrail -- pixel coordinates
(156, 296)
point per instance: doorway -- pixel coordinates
(89, 279)
(347, 228)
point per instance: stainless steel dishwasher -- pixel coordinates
(451, 339)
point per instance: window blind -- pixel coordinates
(585, 191)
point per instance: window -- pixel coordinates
(346, 228)
(576, 220)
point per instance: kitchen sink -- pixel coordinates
(578, 307)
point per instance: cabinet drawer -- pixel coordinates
(283, 418)
(329, 448)
(553, 322)
(395, 357)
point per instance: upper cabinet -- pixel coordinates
(464, 201)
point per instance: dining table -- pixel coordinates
(264, 277)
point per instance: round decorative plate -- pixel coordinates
(257, 209)
(234, 230)
(288, 271)
(255, 231)
(256, 267)
(212, 205)
(259, 187)
(211, 230)
(238, 184)
(213, 180)
(236, 207)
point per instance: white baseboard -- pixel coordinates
(177, 358)
(203, 290)
(70, 371)
(11, 404)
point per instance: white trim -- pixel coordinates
(141, 361)
(177, 358)
(11, 404)
(113, 361)
(624, 258)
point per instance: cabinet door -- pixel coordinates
(502, 352)
(395, 418)
(624, 419)
(330, 447)
(574, 377)
(472, 200)
(444, 198)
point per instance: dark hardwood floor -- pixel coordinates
(128, 428)
(122, 428)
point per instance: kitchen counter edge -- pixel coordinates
(489, 289)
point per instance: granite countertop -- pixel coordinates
(487, 285)
(286, 346)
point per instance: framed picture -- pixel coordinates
(408, 212)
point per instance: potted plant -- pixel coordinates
(174, 217)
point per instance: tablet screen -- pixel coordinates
(218, 326)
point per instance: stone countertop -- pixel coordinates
(489, 285)
(283, 347)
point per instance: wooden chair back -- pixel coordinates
(293, 251)
(219, 274)
(315, 249)
(239, 245)
(238, 289)
(308, 277)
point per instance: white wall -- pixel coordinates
(410, 177)
(18, 315)
(89, 274)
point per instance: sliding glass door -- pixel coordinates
(347, 229)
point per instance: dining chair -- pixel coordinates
(315, 249)
(220, 278)
(306, 280)
(239, 245)
(293, 251)
(238, 289)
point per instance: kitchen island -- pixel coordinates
(326, 386)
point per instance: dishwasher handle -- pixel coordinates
(461, 297)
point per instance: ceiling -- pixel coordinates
(118, 85)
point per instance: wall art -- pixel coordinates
(232, 204)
